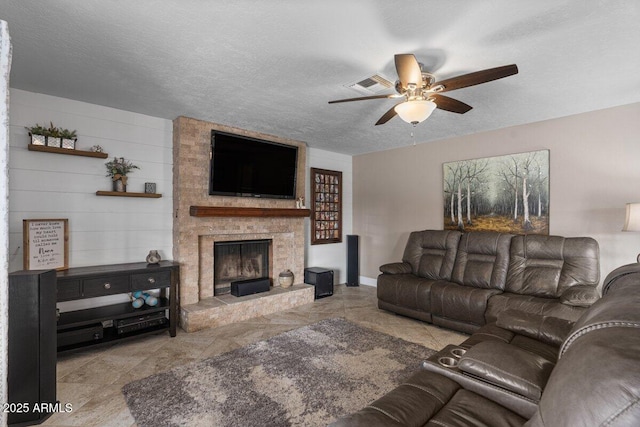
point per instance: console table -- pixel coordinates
(98, 325)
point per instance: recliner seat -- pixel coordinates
(479, 272)
(464, 281)
(405, 287)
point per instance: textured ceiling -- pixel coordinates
(271, 66)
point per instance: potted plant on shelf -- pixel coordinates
(117, 169)
(69, 138)
(53, 136)
(38, 134)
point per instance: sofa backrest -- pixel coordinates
(597, 379)
(545, 266)
(482, 260)
(432, 253)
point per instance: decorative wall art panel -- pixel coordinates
(507, 194)
(326, 206)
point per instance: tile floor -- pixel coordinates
(91, 380)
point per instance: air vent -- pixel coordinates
(371, 85)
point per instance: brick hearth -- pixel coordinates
(193, 236)
(225, 309)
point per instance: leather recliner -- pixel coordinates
(479, 272)
(596, 381)
(405, 287)
(463, 282)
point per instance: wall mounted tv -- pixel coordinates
(249, 167)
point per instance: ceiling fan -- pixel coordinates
(421, 91)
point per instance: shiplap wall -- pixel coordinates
(334, 255)
(106, 230)
(102, 230)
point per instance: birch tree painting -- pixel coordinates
(507, 193)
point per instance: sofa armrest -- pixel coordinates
(396, 268)
(580, 296)
(548, 329)
(509, 367)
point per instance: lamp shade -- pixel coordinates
(415, 111)
(632, 220)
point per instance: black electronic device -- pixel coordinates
(137, 323)
(241, 288)
(353, 261)
(250, 167)
(80, 334)
(321, 278)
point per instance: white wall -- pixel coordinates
(332, 256)
(5, 66)
(594, 172)
(102, 230)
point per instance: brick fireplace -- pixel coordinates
(194, 235)
(239, 260)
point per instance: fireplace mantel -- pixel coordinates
(227, 211)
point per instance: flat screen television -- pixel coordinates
(249, 167)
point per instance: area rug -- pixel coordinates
(305, 377)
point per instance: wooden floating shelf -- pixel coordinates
(71, 152)
(213, 211)
(128, 194)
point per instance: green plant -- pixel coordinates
(53, 131)
(119, 166)
(36, 130)
(68, 134)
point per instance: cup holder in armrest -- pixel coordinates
(448, 362)
(458, 352)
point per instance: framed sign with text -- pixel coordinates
(46, 244)
(326, 206)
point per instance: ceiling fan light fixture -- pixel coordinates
(415, 112)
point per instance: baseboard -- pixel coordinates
(367, 281)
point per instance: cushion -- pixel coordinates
(412, 403)
(405, 290)
(482, 260)
(547, 329)
(580, 296)
(431, 253)
(545, 266)
(396, 268)
(469, 409)
(509, 367)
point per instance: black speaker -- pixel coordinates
(321, 278)
(241, 288)
(353, 261)
(32, 346)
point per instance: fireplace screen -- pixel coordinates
(239, 260)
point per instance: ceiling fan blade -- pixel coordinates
(477, 78)
(450, 104)
(387, 116)
(408, 69)
(362, 98)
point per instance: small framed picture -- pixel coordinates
(150, 187)
(45, 243)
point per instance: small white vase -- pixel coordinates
(286, 279)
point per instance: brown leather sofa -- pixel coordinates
(464, 281)
(497, 380)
